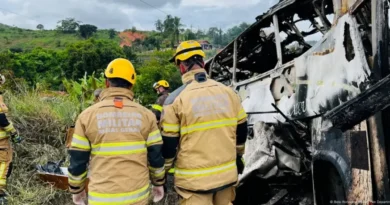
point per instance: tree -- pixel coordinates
(87, 30)
(152, 41)
(212, 32)
(69, 25)
(133, 29)
(200, 34)
(40, 27)
(176, 28)
(172, 27)
(159, 26)
(189, 35)
(130, 54)
(89, 56)
(243, 26)
(112, 33)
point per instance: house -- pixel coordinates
(206, 45)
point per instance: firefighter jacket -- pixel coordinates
(6, 130)
(206, 122)
(6, 127)
(117, 144)
(157, 106)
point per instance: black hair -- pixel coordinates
(194, 60)
(119, 83)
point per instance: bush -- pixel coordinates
(42, 126)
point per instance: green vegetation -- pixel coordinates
(42, 124)
(24, 40)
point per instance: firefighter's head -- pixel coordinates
(120, 73)
(189, 56)
(161, 86)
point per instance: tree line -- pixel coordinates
(168, 33)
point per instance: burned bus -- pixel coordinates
(317, 111)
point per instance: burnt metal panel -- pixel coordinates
(362, 106)
(359, 150)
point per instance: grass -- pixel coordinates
(42, 126)
(13, 37)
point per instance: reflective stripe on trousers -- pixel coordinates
(119, 148)
(206, 171)
(119, 198)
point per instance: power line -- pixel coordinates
(16, 13)
(154, 7)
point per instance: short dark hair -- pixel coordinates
(197, 59)
(119, 83)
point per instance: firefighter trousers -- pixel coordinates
(5, 163)
(223, 197)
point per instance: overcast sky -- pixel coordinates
(122, 14)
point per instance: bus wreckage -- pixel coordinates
(316, 111)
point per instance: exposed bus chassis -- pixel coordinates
(315, 110)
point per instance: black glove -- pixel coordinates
(240, 164)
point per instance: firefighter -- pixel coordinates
(117, 144)
(6, 130)
(162, 89)
(205, 122)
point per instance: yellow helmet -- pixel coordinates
(121, 68)
(162, 83)
(186, 50)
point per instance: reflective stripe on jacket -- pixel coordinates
(121, 142)
(204, 114)
(157, 106)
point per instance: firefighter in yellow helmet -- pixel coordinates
(162, 89)
(7, 131)
(204, 129)
(117, 145)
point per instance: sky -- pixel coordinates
(123, 14)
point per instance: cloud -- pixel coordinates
(122, 14)
(220, 3)
(145, 4)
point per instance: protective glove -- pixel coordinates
(158, 193)
(80, 198)
(16, 138)
(240, 164)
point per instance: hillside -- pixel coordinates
(26, 39)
